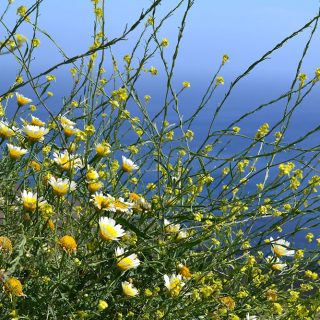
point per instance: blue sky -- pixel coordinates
(243, 29)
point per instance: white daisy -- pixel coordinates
(109, 230)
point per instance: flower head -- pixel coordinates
(128, 165)
(14, 287)
(169, 227)
(102, 202)
(5, 131)
(68, 244)
(35, 133)
(37, 122)
(22, 100)
(5, 244)
(128, 289)
(126, 263)
(103, 149)
(173, 283)
(30, 200)
(280, 247)
(15, 152)
(67, 161)
(61, 186)
(109, 230)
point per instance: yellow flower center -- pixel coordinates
(120, 205)
(60, 190)
(29, 203)
(108, 232)
(279, 250)
(125, 264)
(14, 287)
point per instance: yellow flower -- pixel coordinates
(103, 149)
(92, 175)
(16, 152)
(102, 305)
(14, 287)
(61, 186)
(22, 100)
(68, 244)
(30, 201)
(184, 271)
(219, 80)
(5, 131)
(164, 42)
(228, 302)
(36, 166)
(128, 289)
(95, 186)
(109, 230)
(5, 244)
(126, 263)
(186, 84)
(128, 165)
(35, 43)
(35, 133)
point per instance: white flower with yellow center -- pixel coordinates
(67, 161)
(109, 230)
(66, 121)
(37, 122)
(128, 289)
(103, 149)
(126, 263)
(280, 247)
(61, 186)
(15, 152)
(128, 165)
(35, 133)
(173, 283)
(276, 263)
(102, 202)
(169, 227)
(182, 234)
(5, 131)
(248, 317)
(30, 201)
(122, 206)
(22, 100)
(69, 130)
